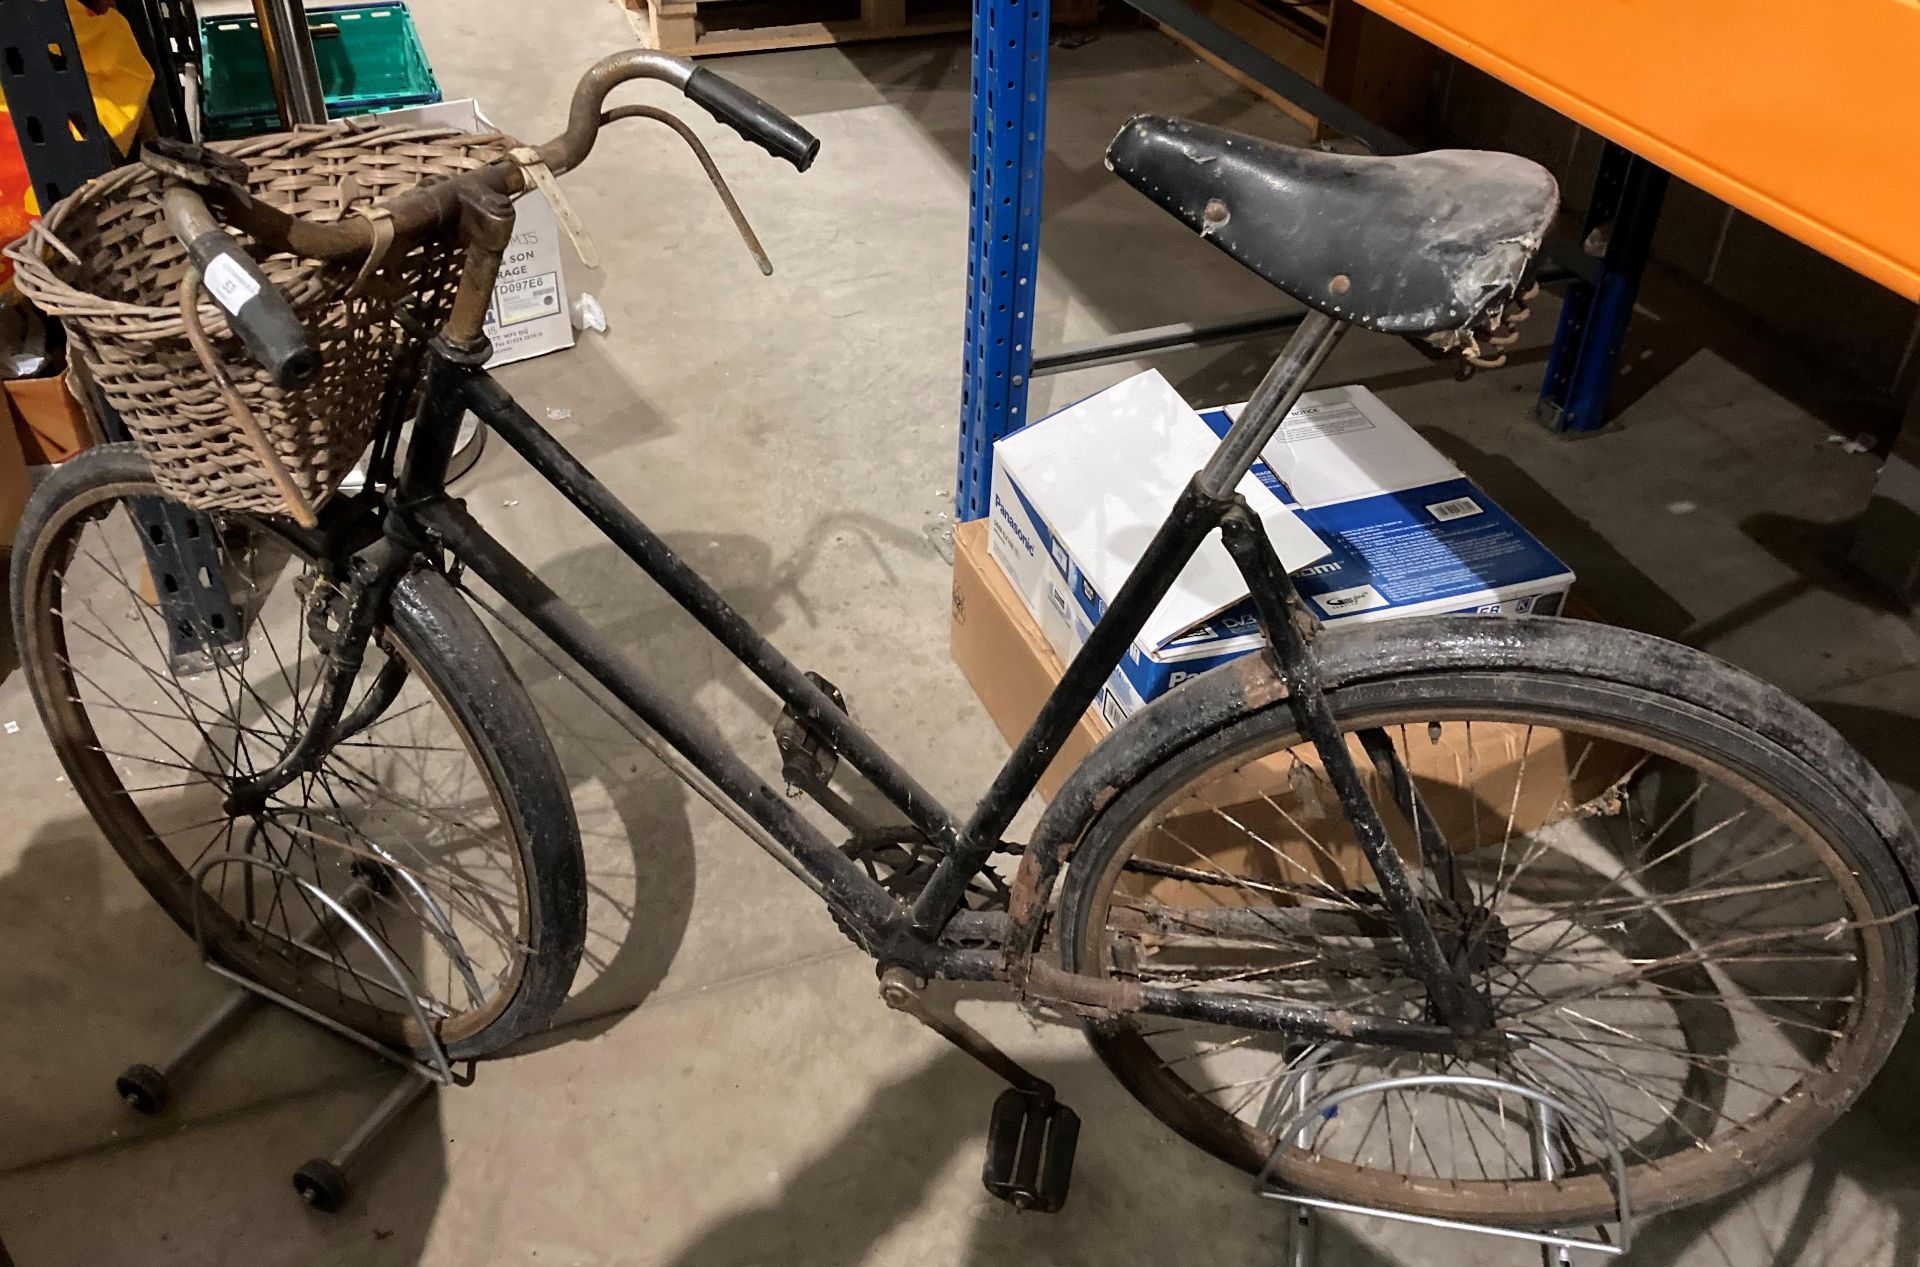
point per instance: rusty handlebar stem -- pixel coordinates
(439, 203)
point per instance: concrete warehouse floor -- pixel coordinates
(728, 1089)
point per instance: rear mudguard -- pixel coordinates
(1441, 644)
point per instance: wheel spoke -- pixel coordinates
(408, 793)
(1694, 953)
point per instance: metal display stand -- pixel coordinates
(1008, 145)
(1547, 1111)
(322, 1181)
(50, 100)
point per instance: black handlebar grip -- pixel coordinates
(764, 125)
(255, 308)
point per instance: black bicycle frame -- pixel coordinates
(422, 516)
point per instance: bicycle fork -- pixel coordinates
(344, 637)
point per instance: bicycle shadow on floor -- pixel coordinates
(91, 976)
(640, 839)
(1139, 1195)
(1856, 1199)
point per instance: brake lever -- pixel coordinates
(199, 166)
(714, 177)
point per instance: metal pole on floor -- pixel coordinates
(1007, 148)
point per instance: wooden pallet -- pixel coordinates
(706, 28)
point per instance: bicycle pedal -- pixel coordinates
(1030, 1144)
(807, 757)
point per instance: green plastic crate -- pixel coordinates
(369, 57)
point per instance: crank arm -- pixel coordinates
(1031, 1136)
(904, 992)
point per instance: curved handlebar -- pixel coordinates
(266, 321)
(439, 203)
(259, 313)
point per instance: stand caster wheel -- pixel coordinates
(144, 1089)
(321, 1185)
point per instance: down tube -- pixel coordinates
(837, 878)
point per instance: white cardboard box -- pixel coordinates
(529, 315)
(1373, 522)
(1081, 492)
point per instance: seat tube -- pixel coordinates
(1299, 361)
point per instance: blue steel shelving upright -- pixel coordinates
(1007, 149)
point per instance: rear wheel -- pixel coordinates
(1681, 918)
(443, 826)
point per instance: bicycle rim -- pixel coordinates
(1683, 916)
(410, 824)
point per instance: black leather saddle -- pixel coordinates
(1413, 245)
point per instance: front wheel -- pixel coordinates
(442, 824)
(1671, 912)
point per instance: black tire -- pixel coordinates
(465, 678)
(1674, 703)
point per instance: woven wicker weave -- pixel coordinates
(105, 263)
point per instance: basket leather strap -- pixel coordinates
(542, 177)
(382, 221)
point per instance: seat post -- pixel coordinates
(1278, 391)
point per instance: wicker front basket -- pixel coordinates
(105, 263)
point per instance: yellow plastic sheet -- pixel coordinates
(118, 74)
(120, 79)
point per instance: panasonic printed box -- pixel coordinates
(1371, 520)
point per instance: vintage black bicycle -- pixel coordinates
(1564, 855)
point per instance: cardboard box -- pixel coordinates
(529, 314)
(1075, 498)
(15, 485)
(1004, 655)
(49, 422)
(1526, 775)
(1373, 522)
(1278, 821)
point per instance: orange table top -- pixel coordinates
(1805, 116)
